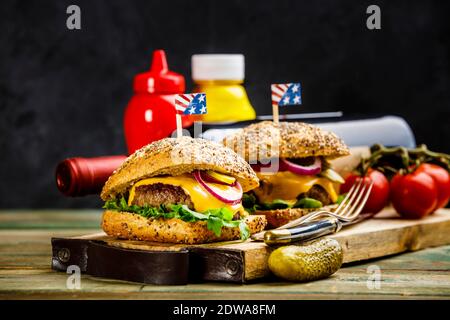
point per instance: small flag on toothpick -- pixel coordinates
(285, 94)
(189, 104)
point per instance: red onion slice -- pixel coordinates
(259, 166)
(272, 166)
(312, 169)
(232, 194)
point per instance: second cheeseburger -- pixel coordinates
(180, 190)
(292, 162)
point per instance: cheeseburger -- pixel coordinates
(180, 190)
(291, 160)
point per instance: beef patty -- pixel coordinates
(161, 194)
(319, 193)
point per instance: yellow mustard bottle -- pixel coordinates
(221, 77)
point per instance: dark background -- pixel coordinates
(63, 92)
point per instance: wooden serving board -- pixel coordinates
(234, 261)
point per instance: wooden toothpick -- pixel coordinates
(275, 113)
(179, 126)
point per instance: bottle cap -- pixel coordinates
(218, 67)
(159, 79)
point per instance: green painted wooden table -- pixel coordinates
(25, 273)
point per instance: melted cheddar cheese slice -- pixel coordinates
(201, 198)
(287, 186)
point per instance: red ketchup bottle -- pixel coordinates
(150, 114)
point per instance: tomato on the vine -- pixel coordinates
(441, 178)
(414, 195)
(379, 195)
(419, 178)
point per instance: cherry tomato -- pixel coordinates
(441, 178)
(379, 196)
(414, 195)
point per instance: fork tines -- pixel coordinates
(347, 211)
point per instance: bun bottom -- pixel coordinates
(125, 225)
(277, 218)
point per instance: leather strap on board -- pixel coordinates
(98, 259)
(154, 267)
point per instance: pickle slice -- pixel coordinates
(221, 178)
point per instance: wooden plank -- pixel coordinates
(27, 275)
(50, 219)
(40, 236)
(384, 235)
(408, 276)
(30, 247)
(387, 234)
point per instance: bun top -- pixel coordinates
(174, 157)
(264, 140)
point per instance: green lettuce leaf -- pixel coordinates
(245, 230)
(276, 204)
(250, 203)
(341, 198)
(308, 203)
(215, 224)
(248, 200)
(215, 218)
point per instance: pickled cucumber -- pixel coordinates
(311, 261)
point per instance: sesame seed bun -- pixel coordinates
(266, 140)
(125, 225)
(177, 156)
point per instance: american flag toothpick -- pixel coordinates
(285, 94)
(189, 104)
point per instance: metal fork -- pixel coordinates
(322, 222)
